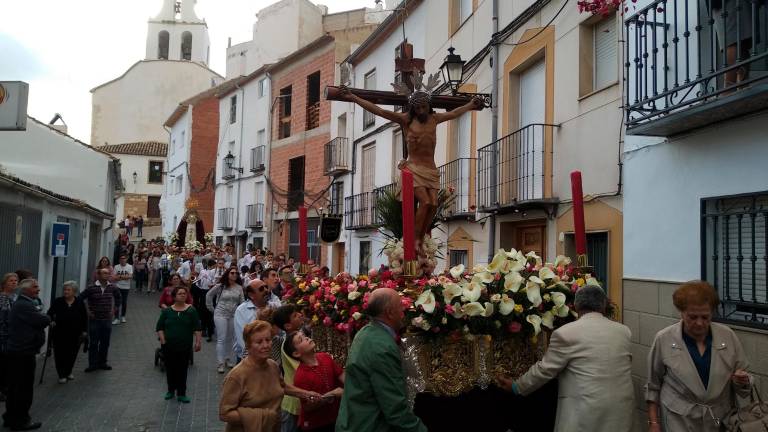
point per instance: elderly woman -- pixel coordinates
(253, 390)
(69, 324)
(695, 366)
(177, 326)
(7, 296)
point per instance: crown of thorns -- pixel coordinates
(420, 91)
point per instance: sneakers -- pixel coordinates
(183, 399)
(62, 380)
(220, 369)
(169, 396)
(122, 320)
(115, 321)
(71, 377)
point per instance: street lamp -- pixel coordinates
(453, 74)
(229, 161)
(453, 69)
(135, 175)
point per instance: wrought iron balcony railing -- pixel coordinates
(257, 159)
(336, 156)
(254, 215)
(511, 171)
(227, 173)
(689, 64)
(358, 211)
(224, 218)
(459, 177)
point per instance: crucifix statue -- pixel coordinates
(419, 125)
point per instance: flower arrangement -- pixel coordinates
(393, 249)
(193, 245)
(602, 7)
(208, 237)
(516, 294)
(172, 237)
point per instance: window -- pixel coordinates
(284, 123)
(313, 100)
(162, 45)
(295, 183)
(233, 109)
(733, 256)
(365, 257)
(459, 11)
(605, 53)
(173, 146)
(397, 152)
(262, 88)
(179, 184)
(183, 139)
(465, 10)
(458, 256)
(368, 168)
(153, 207)
(337, 198)
(155, 172)
(258, 242)
(369, 83)
(312, 240)
(261, 137)
(186, 46)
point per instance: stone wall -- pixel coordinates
(648, 308)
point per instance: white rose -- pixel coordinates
(354, 295)
(357, 316)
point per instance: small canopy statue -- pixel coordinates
(191, 226)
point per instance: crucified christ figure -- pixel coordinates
(419, 125)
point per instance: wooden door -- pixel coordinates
(338, 265)
(531, 238)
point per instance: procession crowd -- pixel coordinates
(277, 380)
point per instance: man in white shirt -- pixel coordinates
(259, 297)
(122, 275)
(185, 269)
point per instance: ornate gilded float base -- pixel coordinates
(334, 343)
(513, 357)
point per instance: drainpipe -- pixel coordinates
(240, 163)
(494, 125)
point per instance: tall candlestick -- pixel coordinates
(303, 251)
(409, 236)
(578, 213)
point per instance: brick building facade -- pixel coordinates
(202, 159)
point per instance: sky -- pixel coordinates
(63, 49)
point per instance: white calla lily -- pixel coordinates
(512, 281)
(507, 305)
(535, 321)
(457, 271)
(546, 273)
(488, 309)
(548, 319)
(537, 280)
(472, 291)
(427, 301)
(497, 264)
(593, 281)
(562, 260)
(512, 254)
(484, 277)
(473, 309)
(533, 255)
(458, 311)
(533, 291)
(560, 308)
(450, 291)
(479, 268)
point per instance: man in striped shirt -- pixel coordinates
(100, 299)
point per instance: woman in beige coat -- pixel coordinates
(695, 366)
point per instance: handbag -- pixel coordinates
(750, 418)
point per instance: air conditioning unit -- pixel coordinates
(13, 105)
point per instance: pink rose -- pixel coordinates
(327, 321)
(372, 273)
(448, 309)
(514, 327)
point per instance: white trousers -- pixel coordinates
(225, 330)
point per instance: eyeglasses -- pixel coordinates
(234, 273)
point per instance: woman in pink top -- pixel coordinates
(166, 298)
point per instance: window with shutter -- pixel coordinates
(369, 167)
(369, 83)
(605, 53)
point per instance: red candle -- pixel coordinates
(409, 236)
(578, 213)
(303, 251)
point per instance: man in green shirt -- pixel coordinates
(375, 398)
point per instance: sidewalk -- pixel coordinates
(130, 397)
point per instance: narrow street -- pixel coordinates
(130, 397)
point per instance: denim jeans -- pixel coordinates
(99, 331)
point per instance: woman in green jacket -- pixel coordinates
(176, 327)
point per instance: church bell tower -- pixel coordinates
(176, 33)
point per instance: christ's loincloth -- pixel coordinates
(423, 176)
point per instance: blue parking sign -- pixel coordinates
(59, 239)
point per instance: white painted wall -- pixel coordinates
(134, 106)
(200, 41)
(57, 162)
(665, 182)
(177, 164)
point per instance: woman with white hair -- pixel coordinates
(69, 327)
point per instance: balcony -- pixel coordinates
(689, 65)
(313, 115)
(224, 218)
(254, 216)
(227, 173)
(459, 176)
(257, 159)
(512, 172)
(336, 157)
(358, 211)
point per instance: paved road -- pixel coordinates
(130, 397)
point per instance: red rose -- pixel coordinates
(514, 327)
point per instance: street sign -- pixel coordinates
(59, 239)
(13, 105)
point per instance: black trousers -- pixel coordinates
(206, 317)
(176, 366)
(21, 383)
(99, 332)
(65, 348)
(3, 373)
